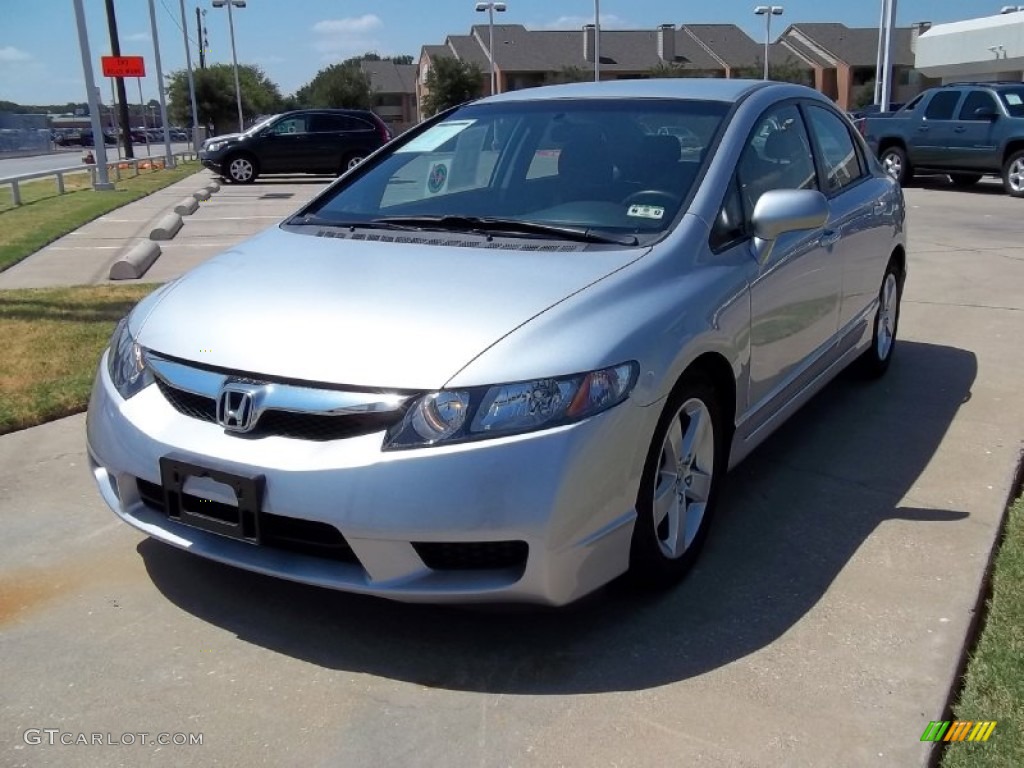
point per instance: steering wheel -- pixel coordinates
(646, 196)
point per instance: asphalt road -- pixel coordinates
(72, 157)
(823, 625)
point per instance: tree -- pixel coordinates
(863, 95)
(339, 85)
(671, 70)
(789, 71)
(451, 82)
(572, 74)
(215, 96)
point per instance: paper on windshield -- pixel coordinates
(1013, 99)
(436, 136)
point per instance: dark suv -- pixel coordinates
(966, 130)
(304, 141)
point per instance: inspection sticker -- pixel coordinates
(646, 211)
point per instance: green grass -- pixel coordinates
(50, 342)
(994, 683)
(45, 215)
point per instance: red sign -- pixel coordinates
(123, 66)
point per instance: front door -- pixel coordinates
(285, 146)
(795, 297)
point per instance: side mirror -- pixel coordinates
(985, 113)
(786, 210)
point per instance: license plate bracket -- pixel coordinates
(239, 521)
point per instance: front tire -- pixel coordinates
(897, 166)
(679, 488)
(1013, 174)
(241, 169)
(875, 361)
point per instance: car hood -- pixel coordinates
(224, 137)
(359, 313)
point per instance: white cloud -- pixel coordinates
(608, 21)
(9, 53)
(137, 37)
(338, 39)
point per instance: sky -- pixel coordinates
(40, 60)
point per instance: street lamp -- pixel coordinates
(597, 41)
(234, 56)
(490, 7)
(768, 11)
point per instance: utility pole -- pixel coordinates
(100, 180)
(122, 99)
(890, 22)
(201, 38)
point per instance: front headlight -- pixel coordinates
(456, 416)
(213, 147)
(125, 363)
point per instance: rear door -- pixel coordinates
(931, 138)
(974, 141)
(327, 139)
(857, 216)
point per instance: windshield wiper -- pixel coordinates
(311, 219)
(487, 225)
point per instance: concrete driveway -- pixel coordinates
(823, 626)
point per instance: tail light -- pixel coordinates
(383, 132)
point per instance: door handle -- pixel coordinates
(959, 129)
(922, 128)
(880, 208)
(829, 238)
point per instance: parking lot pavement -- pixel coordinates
(232, 214)
(823, 626)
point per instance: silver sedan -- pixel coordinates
(512, 355)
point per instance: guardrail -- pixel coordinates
(114, 168)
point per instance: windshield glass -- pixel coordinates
(1013, 98)
(261, 125)
(622, 166)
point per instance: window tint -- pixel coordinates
(838, 153)
(942, 105)
(350, 123)
(1013, 98)
(296, 124)
(777, 156)
(326, 123)
(977, 100)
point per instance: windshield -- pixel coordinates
(260, 125)
(622, 166)
(1013, 98)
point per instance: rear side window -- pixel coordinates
(977, 100)
(350, 123)
(326, 123)
(838, 152)
(942, 105)
(1013, 99)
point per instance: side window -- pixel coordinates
(838, 152)
(942, 105)
(324, 123)
(289, 125)
(777, 156)
(977, 100)
(914, 103)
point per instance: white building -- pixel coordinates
(989, 48)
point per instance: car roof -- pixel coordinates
(703, 89)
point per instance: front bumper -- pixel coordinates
(568, 493)
(213, 161)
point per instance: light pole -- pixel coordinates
(234, 56)
(161, 95)
(100, 180)
(191, 80)
(597, 41)
(768, 11)
(491, 7)
(890, 22)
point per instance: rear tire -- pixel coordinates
(1013, 174)
(964, 180)
(897, 166)
(875, 360)
(679, 488)
(351, 161)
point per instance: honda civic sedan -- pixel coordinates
(512, 355)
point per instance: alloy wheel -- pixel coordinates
(240, 169)
(682, 485)
(888, 304)
(1015, 175)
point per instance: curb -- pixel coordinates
(186, 206)
(167, 228)
(213, 186)
(134, 264)
(201, 194)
